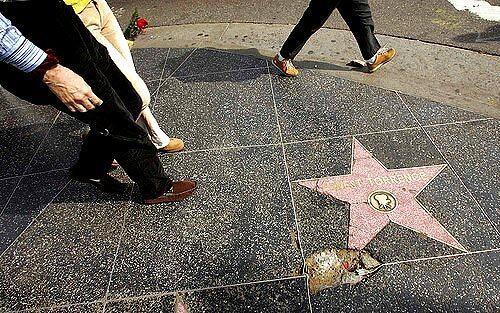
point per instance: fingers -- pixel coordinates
(75, 107)
(88, 104)
(79, 108)
(93, 98)
(70, 107)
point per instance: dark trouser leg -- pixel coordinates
(95, 157)
(114, 134)
(114, 131)
(358, 16)
(314, 17)
(135, 162)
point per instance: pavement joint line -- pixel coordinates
(287, 172)
(182, 63)
(29, 163)
(337, 29)
(165, 64)
(323, 72)
(115, 258)
(168, 293)
(35, 218)
(218, 72)
(34, 173)
(225, 148)
(157, 90)
(350, 135)
(103, 300)
(452, 168)
(224, 31)
(161, 294)
(277, 144)
(57, 306)
(320, 71)
(163, 80)
(439, 257)
(460, 122)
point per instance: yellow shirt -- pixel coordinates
(78, 5)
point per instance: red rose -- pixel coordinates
(142, 23)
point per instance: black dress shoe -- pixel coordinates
(104, 183)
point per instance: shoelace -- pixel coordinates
(380, 51)
(289, 64)
(383, 50)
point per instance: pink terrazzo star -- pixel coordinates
(378, 196)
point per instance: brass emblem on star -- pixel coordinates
(382, 201)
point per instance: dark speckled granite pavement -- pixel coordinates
(238, 245)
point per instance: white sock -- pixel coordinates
(372, 59)
(280, 58)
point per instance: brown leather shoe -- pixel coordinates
(180, 190)
(175, 145)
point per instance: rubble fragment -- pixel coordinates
(333, 267)
(180, 305)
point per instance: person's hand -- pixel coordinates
(71, 89)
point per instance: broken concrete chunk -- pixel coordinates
(333, 267)
(180, 304)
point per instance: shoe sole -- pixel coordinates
(281, 71)
(171, 151)
(378, 66)
(174, 198)
(96, 183)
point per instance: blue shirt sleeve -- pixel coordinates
(17, 50)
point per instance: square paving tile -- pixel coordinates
(460, 284)
(219, 110)
(204, 61)
(32, 195)
(324, 220)
(153, 86)
(21, 132)
(278, 296)
(473, 150)
(429, 112)
(315, 105)
(61, 146)
(238, 227)
(149, 62)
(66, 255)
